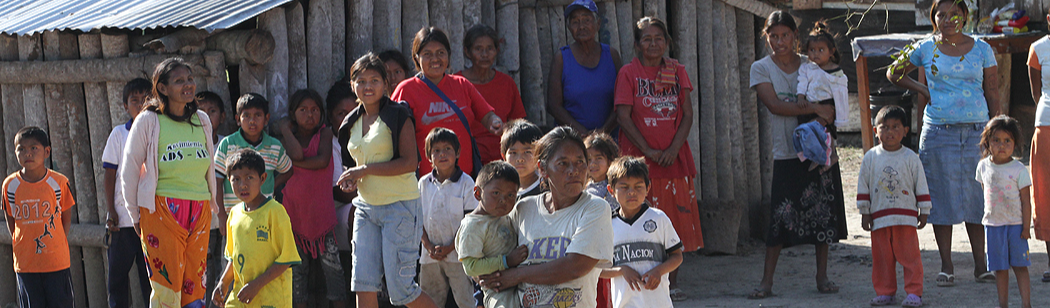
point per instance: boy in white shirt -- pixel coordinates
(645, 245)
(447, 194)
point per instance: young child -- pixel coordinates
(602, 150)
(516, 144)
(37, 207)
(125, 248)
(821, 81)
(444, 194)
(260, 244)
(894, 202)
(308, 196)
(486, 240)
(211, 103)
(645, 245)
(1007, 207)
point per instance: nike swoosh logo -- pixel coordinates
(427, 119)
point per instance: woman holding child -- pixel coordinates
(167, 180)
(653, 109)
(962, 85)
(807, 205)
(567, 231)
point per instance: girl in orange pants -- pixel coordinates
(175, 241)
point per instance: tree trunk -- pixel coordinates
(297, 64)
(171, 43)
(255, 46)
(118, 70)
(319, 45)
(277, 69)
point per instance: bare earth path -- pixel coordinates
(725, 281)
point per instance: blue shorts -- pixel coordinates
(47, 290)
(386, 242)
(949, 155)
(1006, 248)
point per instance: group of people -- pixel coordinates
(385, 163)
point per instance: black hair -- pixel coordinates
(556, 139)
(137, 85)
(441, 134)
(299, 97)
(1004, 123)
(397, 57)
(497, 170)
(958, 3)
(479, 31)
(891, 112)
(253, 100)
(424, 37)
(35, 133)
(340, 91)
(519, 130)
(369, 61)
(604, 144)
(821, 33)
(212, 97)
(246, 158)
(628, 167)
(781, 18)
(159, 102)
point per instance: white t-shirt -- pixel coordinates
(782, 127)
(583, 228)
(1002, 191)
(1039, 58)
(642, 243)
(444, 204)
(111, 160)
(818, 85)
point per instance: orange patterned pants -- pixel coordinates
(176, 251)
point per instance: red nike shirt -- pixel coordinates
(430, 111)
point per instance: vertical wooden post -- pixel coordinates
(340, 29)
(215, 62)
(297, 64)
(14, 111)
(1004, 62)
(625, 21)
(29, 49)
(415, 14)
(252, 78)
(116, 46)
(637, 9)
(386, 28)
(277, 69)
(507, 27)
(863, 92)
(361, 34)
(472, 12)
(319, 45)
(559, 32)
(545, 38)
(708, 158)
(745, 36)
(488, 12)
(531, 73)
(98, 119)
(455, 33)
(610, 26)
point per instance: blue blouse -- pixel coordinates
(956, 84)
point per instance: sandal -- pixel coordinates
(882, 300)
(912, 301)
(986, 277)
(760, 294)
(945, 279)
(828, 287)
(677, 295)
(1046, 276)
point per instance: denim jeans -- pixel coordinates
(386, 241)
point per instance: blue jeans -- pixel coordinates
(386, 242)
(125, 251)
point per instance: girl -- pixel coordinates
(339, 102)
(480, 45)
(397, 68)
(1039, 64)
(602, 150)
(167, 179)
(380, 153)
(211, 103)
(821, 81)
(308, 196)
(1007, 207)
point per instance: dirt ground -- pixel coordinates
(725, 281)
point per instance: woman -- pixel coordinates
(583, 79)
(654, 112)
(807, 204)
(1039, 64)
(567, 231)
(167, 180)
(397, 68)
(498, 89)
(963, 88)
(430, 52)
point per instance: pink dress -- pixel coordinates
(308, 200)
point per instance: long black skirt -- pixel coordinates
(807, 207)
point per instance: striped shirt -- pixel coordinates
(269, 148)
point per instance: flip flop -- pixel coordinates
(828, 287)
(882, 300)
(945, 280)
(677, 295)
(760, 294)
(986, 277)
(912, 301)
(1046, 276)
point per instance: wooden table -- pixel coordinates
(888, 44)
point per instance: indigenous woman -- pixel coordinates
(499, 90)
(583, 78)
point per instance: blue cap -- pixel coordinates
(580, 4)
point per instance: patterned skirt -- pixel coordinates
(807, 207)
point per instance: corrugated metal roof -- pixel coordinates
(23, 17)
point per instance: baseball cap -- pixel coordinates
(580, 4)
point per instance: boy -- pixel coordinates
(260, 248)
(516, 147)
(645, 245)
(212, 104)
(37, 207)
(486, 237)
(444, 194)
(894, 202)
(125, 248)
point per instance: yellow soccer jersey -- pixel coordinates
(255, 241)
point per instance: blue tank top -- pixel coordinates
(587, 93)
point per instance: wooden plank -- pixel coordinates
(863, 92)
(507, 27)
(488, 12)
(115, 46)
(545, 38)
(708, 156)
(472, 11)
(14, 112)
(1003, 61)
(685, 50)
(340, 29)
(319, 46)
(558, 33)
(745, 37)
(637, 10)
(98, 119)
(531, 74)
(216, 82)
(759, 8)
(276, 76)
(386, 27)
(807, 4)
(625, 21)
(297, 64)
(735, 127)
(29, 49)
(413, 19)
(609, 33)
(723, 65)
(455, 32)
